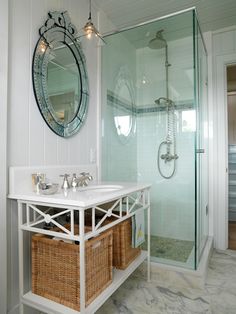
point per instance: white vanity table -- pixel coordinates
(129, 198)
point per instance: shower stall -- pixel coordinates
(154, 128)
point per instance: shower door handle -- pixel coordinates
(200, 151)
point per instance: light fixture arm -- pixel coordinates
(90, 11)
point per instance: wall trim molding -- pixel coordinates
(211, 182)
(3, 151)
(221, 158)
(99, 105)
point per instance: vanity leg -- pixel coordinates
(148, 240)
(82, 262)
(21, 262)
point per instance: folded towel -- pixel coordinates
(138, 229)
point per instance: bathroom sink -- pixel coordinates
(102, 188)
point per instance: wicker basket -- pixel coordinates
(123, 252)
(56, 268)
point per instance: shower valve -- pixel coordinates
(169, 157)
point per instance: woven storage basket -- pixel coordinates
(56, 268)
(123, 252)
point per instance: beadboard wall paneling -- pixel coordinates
(19, 68)
(35, 126)
(224, 42)
(30, 141)
(3, 150)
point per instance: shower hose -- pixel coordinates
(170, 140)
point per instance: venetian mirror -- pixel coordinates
(60, 77)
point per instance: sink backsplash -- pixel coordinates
(20, 177)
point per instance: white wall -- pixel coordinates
(3, 150)
(30, 141)
(222, 48)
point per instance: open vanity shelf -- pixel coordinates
(119, 276)
(123, 204)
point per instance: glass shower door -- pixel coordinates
(202, 217)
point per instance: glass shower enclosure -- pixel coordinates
(154, 128)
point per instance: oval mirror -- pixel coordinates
(124, 105)
(60, 77)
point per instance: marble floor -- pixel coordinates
(137, 296)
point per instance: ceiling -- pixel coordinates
(212, 14)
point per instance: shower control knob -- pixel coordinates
(169, 157)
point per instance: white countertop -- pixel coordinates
(83, 197)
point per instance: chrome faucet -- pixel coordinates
(65, 184)
(84, 179)
(39, 180)
(74, 181)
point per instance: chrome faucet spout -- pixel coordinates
(65, 184)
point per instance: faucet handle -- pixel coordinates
(90, 177)
(84, 178)
(84, 173)
(87, 175)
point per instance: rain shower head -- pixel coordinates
(158, 42)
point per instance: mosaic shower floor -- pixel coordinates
(172, 249)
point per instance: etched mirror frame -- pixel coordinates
(58, 29)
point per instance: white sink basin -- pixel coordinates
(102, 188)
